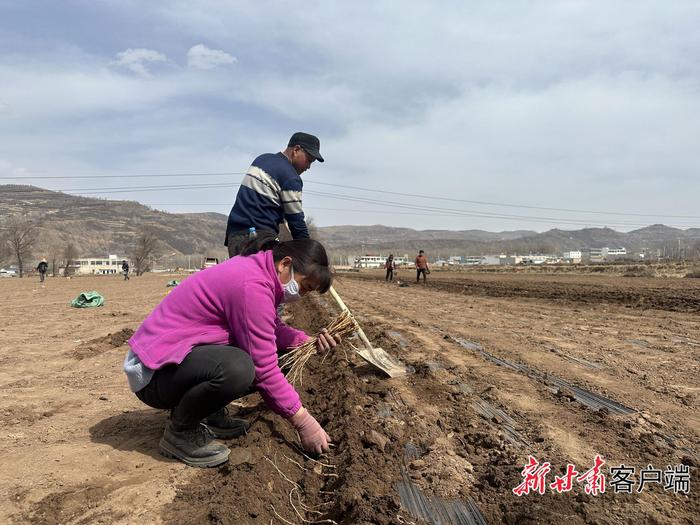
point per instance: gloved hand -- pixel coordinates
(313, 438)
(326, 341)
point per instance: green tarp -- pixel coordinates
(172, 283)
(88, 300)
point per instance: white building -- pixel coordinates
(573, 256)
(596, 255)
(606, 254)
(489, 259)
(112, 264)
(369, 261)
(612, 253)
(378, 261)
(534, 259)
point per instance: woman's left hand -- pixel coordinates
(326, 341)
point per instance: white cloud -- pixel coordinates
(202, 57)
(136, 60)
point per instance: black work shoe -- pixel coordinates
(223, 426)
(196, 446)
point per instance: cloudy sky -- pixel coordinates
(496, 115)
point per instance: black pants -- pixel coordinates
(389, 275)
(421, 271)
(208, 379)
(237, 240)
(41, 276)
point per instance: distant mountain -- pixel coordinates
(348, 240)
(100, 226)
(377, 233)
(657, 232)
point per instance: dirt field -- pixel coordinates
(503, 366)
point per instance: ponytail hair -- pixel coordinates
(308, 256)
(262, 242)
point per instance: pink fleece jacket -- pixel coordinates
(233, 303)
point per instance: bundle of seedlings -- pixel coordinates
(294, 361)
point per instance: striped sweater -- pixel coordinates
(269, 194)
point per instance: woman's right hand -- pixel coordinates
(313, 438)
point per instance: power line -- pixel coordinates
(366, 200)
(502, 204)
(310, 208)
(404, 194)
(124, 189)
(388, 192)
(464, 213)
(120, 176)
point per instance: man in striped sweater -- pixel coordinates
(271, 192)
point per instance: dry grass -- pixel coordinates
(294, 361)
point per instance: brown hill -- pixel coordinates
(99, 226)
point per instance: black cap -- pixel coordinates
(309, 143)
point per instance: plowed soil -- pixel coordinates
(78, 447)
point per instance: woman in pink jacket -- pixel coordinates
(216, 337)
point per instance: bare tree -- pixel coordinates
(21, 236)
(694, 251)
(54, 257)
(5, 251)
(70, 254)
(147, 247)
(311, 226)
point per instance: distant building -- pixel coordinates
(511, 259)
(471, 260)
(594, 255)
(535, 259)
(604, 254)
(611, 254)
(112, 264)
(209, 262)
(370, 261)
(490, 259)
(572, 256)
(378, 261)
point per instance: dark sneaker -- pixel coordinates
(196, 446)
(223, 426)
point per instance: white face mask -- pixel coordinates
(291, 289)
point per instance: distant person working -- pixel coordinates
(422, 266)
(390, 266)
(125, 270)
(271, 193)
(42, 269)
